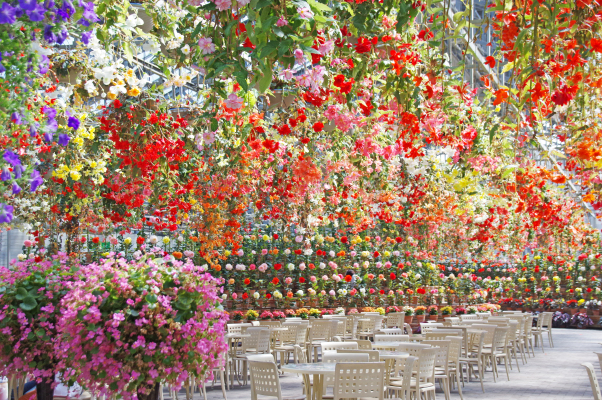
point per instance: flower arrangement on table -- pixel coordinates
(128, 327)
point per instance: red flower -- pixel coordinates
(421, 291)
(95, 240)
(275, 236)
(344, 239)
(298, 252)
(248, 44)
(275, 281)
(301, 279)
(376, 254)
(268, 296)
(245, 296)
(140, 240)
(392, 276)
(363, 45)
(348, 278)
(318, 126)
(83, 240)
(247, 281)
(277, 267)
(311, 266)
(381, 291)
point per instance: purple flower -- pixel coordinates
(6, 213)
(62, 36)
(11, 158)
(64, 139)
(18, 171)
(68, 8)
(73, 122)
(89, 12)
(44, 65)
(49, 36)
(33, 130)
(16, 188)
(48, 137)
(8, 15)
(86, 37)
(5, 174)
(52, 125)
(16, 118)
(28, 5)
(49, 112)
(37, 14)
(35, 180)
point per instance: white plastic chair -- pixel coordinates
(391, 338)
(593, 381)
(265, 380)
(373, 355)
(334, 346)
(391, 331)
(359, 380)
(402, 385)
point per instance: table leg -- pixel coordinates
(318, 387)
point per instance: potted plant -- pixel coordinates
(581, 321)
(433, 313)
(420, 312)
(471, 309)
(393, 309)
(446, 311)
(303, 313)
(409, 314)
(251, 315)
(266, 316)
(380, 310)
(460, 311)
(237, 316)
(314, 313)
(30, 296)
(147, 331)
(278, 315)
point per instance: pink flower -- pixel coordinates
(312, 278)
(281, 22)
(299, 55)
(223, 5)
(288, 281)
(264, 251)
(234, 102)
(305, 13)
(234, 296)
(206, 45)
(28, 243)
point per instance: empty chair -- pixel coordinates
(497, 351)
(408, 329)
(266, 381)
(442, 363)
(468, 317)
(319, 332)
(270, 323)
(391, 331)
(334, 346)
(236, 328)
(453, 320)
(395, 320)
(402, 386)
(287, 339)
(257, 343)
(599, 358)
(424, 382)
(413, 348)
(593, 381)
(362, 344)
(373, 355)
(359, 380)
(429, 326)
(489, 332)
(391, 338)
(455, 352)
(335, 357)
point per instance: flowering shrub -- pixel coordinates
(472, 309)
(302, 312)
(314, 312)
(278, 315)
(129, 326)
(237, 315)
(353, 311)
(30, 294)
(380, 310)
(447, 310)
(393, 309)
(409, 311)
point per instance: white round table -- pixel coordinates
(387, 354)
(318, 370)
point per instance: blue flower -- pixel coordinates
(73, 122)
(44, 65)
(37, 14)
(33, 130)
(62, 36)
(64, 139)
(86, 37)
(16, 118)
(5, 174)
(11, 158)
(8, 14)
(6, 213)
(16, 188)
(35, 180)
(49, 36)
(18, 171)
(28, 5)
(52, 125)
(48, 137)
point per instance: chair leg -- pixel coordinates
(224, 384)
(506, 364)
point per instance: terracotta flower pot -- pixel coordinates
(420, 318)
(433, 317)
(408, 319)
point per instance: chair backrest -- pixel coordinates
(391, 338)
(364, 344)
(302, 330)
(373, 355)
(395, 320)
(468, 317)
(261, 357)
(426, 364)
(264, 379)
(413, 348)
(289, 336)
(333, 346)
(334, 357)
(258, 340)
(357, 380)
(236, 328)
(453, 320)
(442, 357)
(475, 343)
(593, 381)
(320, 329)
(455, 350)
(499, 339)
(484, 315)
(548, 322)
(270, 323)
(406, 382)
(437, 335)
(300, 354)
(293, 319)
(408, 329)
(528, 325)
(378, 321)
(498, 319)
(429, 326)
(392, 331)
(599, 358)
(512, 331)
(490, 331)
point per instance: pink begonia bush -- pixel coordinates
(30, 293)
(129, 326)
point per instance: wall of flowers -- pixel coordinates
(171, 162)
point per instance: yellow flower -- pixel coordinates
(127, 240)
(537, 257)
(75, 175)
(111, 96)
(166, 240)
(265, 237)
(135, 91)
(227, 253)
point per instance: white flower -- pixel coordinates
(180, 238)
(186, 49)
(153, 239)
(308, 252)
(21, 257)
(224, 296)
(133, 21)
(151, 46)
(90, 87)
(418, 276)
(287, 252)
(256, 295)
(299, 293)
(291, 267)
(322, 265)
(277, 294)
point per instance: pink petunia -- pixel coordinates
(206, 45)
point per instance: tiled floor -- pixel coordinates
(553, 374)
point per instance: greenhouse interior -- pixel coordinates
(302, 199)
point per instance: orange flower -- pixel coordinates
(217, 267)
(177, 255)
(341, 254)
(275, 251)
(194, 239)
(289, 295)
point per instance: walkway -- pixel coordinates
(555, 374)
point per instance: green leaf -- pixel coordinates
(214, 124)
(21, 294)
(508, 171)
(29, 303)
(492, 132)
(269, 48)
(263, 3)
(241, 78)
(127, 49)
(151, 298)
(266, 80)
